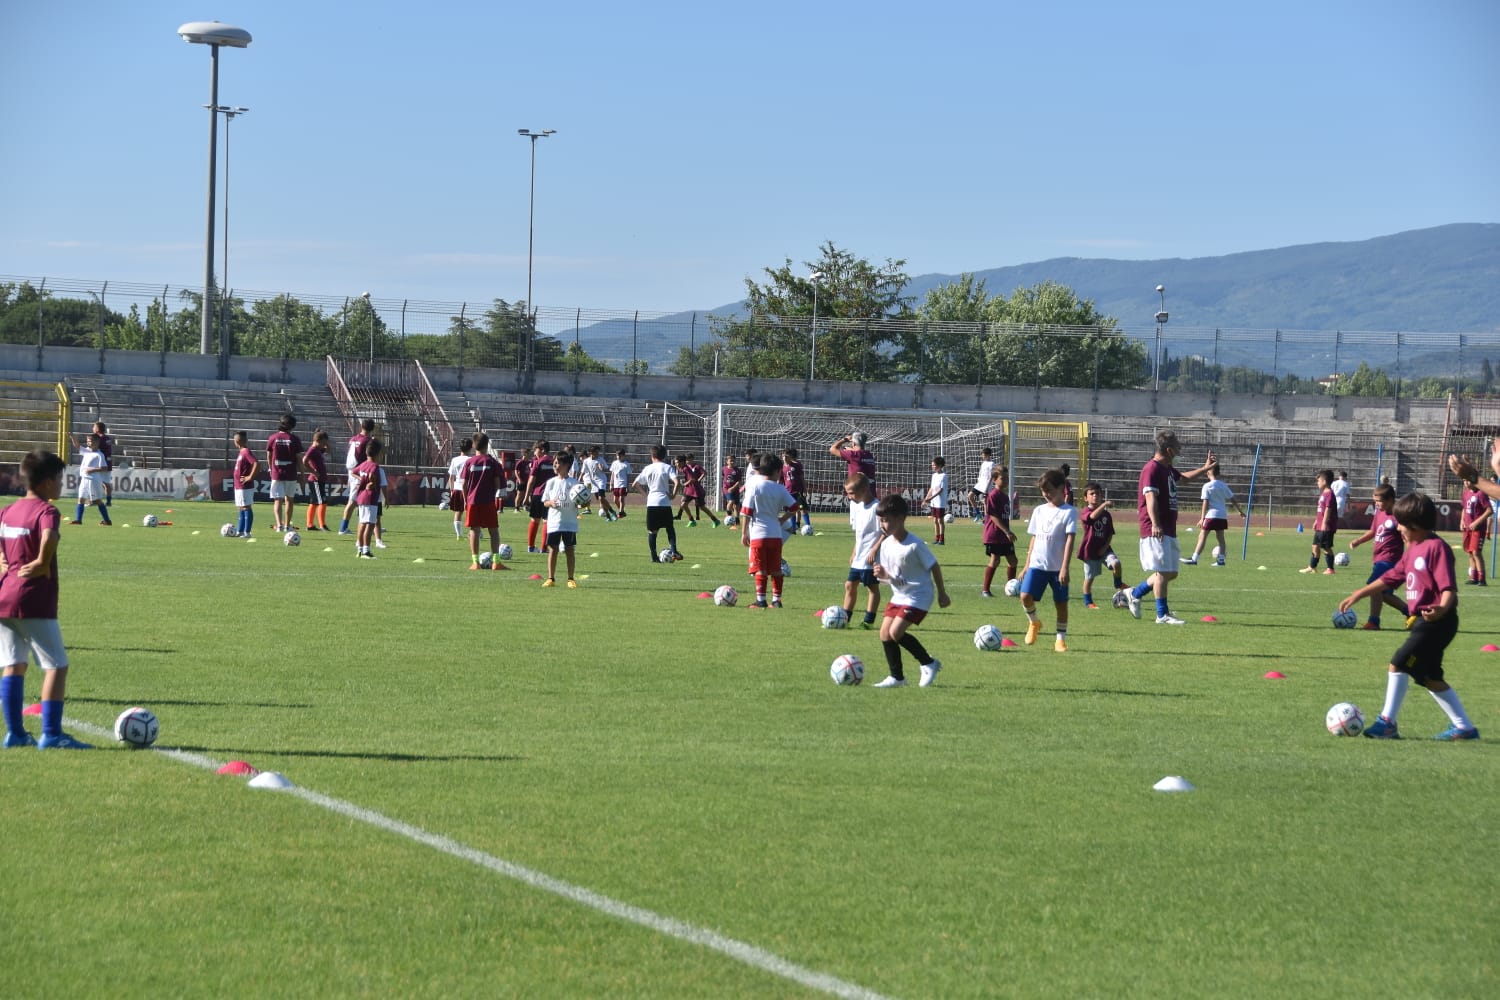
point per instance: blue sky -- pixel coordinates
(697, 143)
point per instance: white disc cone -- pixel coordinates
(274, 780)
(1171, 783)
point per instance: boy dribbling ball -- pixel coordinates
(915, 578)
(1427, 570)
(1054, 531)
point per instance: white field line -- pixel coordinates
(740, 951)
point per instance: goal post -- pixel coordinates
(34, 415)
(1039, 445)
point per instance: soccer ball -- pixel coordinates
(847, 670)
(786, 568)
(149, 521)
(1112, 562)
(486, 560)
(948, 518)
(835, 617)
(730, 521)
(1345, 619)
(1121, 600)
(667, 556)
(1345, 719)
(136, 727)
(505, 551)
(1218, 553)
(726, 596)
(1341, 559)
(229, 531)
(987, 637)
(807, 530)
(581, 495)
(1012, 587)
(291, 538)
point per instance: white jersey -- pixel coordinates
(619, 474)
(908, 565)
(594, 474)
(1218, 494)
(456, 471)
(937, 491)
(564, 517)
(1340, 489)
(92, 465)
(1051, 527)
(982, 483)
(866, 525)
(659, 478)
(765, 502)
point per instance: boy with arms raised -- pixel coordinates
(1054, 531)
(908, 565)
(999, 540)
(1427, 570)
(766, 503)
(28, 605)
(865, 524)
(1386, 553)
(1095, 550)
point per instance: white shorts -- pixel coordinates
(107, 477)
(244, 498)
(41, 637)
(1160, 555)
(283, 489)
(369, 513)
(353, 484)
(89, 491)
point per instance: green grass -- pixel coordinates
(995, 835)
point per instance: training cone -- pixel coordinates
(1173, 783)
(1274, 675)
(696, 566)
(1299, 527)
(238, 767)
(419, 560)
(534, 576)
(704, 596)
(33, 709)
(593, 555)
(1260, 567)
(1209, 618)
(273, 780)
(1260, 534)
(1007, 643)
(1489, 647)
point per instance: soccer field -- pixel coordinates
(624, 790)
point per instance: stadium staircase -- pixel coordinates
(410, 418)
(32, 415)
(513, 422)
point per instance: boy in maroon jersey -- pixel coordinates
(1098, 532)
(1387, 552)
(1427, 571)
(542, 469)
(357, 453)
(851, 448)
(315, 464)
(284, 463)
(483, 478)
(245, 469)
(795, 481)
(732, 485)
(691, 474)
(28, 605)
(1474, 521)
(1325, 524)
(371, 489)
(107, 448)
(999, 540)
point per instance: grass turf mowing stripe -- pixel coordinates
(740, 951)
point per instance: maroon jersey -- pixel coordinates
(792, 479)
(692, 481)
(21, 527)
(359, 450)
(1388, 543)
(1098, 531)
(997, 506)
(243, 463)
(730, 479)
(1161, 478)
(282, 451)
(541, 471)
(1426, 570)
(369, 479)
(483, 476)
(859, 460)
(1327, 508)
(107, 448)
(1475, 506)
(317, 466)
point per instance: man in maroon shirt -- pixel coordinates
(851, 448)
(1156, 502)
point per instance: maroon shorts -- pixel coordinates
(911, 614)
(1474, 542)
(456, 501)
(1215, 524)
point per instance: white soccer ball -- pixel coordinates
(1218, 553)
(726, 596)
(730, 521)
(581, 495)
(1112, 562)
(1345, 719)
(486, 560)
(666, 556)
(1012, 587)
(137, 727)
(987, 637)
(807, 530)
(847, 670)
(1121, 600)
(149, 521)
(948, 518)
(1341, 558)
(504, 551)
(1345, 619)
(835, 617)
(229, 531)
(291, 538)
(786, 568)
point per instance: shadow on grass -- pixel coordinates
(192, 704)
(1113, 691)
(117, 649)
(239, 752)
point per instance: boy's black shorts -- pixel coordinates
(1323, 539)
(1421, 655)
(1004, 547)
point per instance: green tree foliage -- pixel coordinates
(776, 340)
(1366, 381)
(29, 315)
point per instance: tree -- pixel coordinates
(778, 340)
(949, 348)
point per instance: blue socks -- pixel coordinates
(78, 511)
(12, 697)
(344, 525)
(1161, 607)
(247, 520)
(52, 718)
(1141, 589)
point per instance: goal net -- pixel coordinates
(904, 443)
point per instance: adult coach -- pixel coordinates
(659, 482)
(851, 448)
(1156, 502)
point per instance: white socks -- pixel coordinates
(1449, 701)
(1395, 693)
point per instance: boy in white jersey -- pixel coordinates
(980, 491)
(1054, 531)
(1217, 499)
(937, 498)
(562, 518)
(766, 502)
(908, 565)
(456, 485)
(594, 472)
(865, 523)
(619, 481)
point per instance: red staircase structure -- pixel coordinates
(399, 397)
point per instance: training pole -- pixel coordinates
(1379, 462)
(1250, 505)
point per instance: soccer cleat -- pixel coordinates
(549, 583)
(1134, 603)
(1455, 733)
(1060, 646)
(760, 604)
(572, 584)
(892, 682)
(1382, 729)
(62, 741)
(532, 549)
(864, 624)
(1091, 605)
(1307, 569)
(1328, 572)
(1033, 629)
(379, 544)
(1371, 626)
(21, 739)
(1218, 562)
(367, 555)
(929, 673)
(75, 522)
(1169, 620)
(473, 565)
(985, 593)
(344, 533)
(1192, 561)
(776, 602)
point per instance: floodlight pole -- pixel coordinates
(1161, 321)
(812, 364)
(531, 241)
